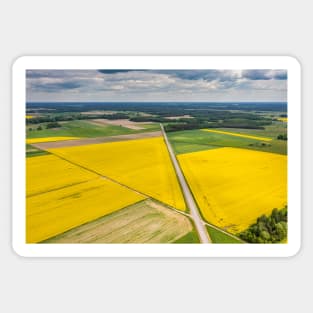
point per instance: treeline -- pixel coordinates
(198, 124)
(72, 117)
(154, 107)
(268, 229)
(282, 137)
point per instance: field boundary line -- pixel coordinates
(223, 231)
(59, 188)
(121, 184)
(237, 134)
(142, 194)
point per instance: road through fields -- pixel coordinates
(191, 204)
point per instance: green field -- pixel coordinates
(197, 140)
(270, 131)
(220, 237)
(81, 128)
(191, 237)
(32, 151)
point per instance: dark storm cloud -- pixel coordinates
(207, 75)
(117, 71)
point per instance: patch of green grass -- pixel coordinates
(36, 153)
(221, 237)
(79, 129)
(197, 140)
(271, 131)
(32, 151)
(191, 237)
(150, 127)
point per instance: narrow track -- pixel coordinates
(200, 227)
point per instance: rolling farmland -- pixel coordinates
(233, 187)
(54, 212)
(103, 180)
(143, 165)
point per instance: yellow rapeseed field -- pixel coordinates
(142, 164)
(237, 134)
(49, 139)
(29, 116)
(233, 187)
(49, 172)
(55, 212)
(283, 119)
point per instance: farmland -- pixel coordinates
(142, 164)
(238, 135)
(143, 222)
(41, 178)
(83, 128)
(54, 212)
(198, 140)
(96, 175)
(232, 186)
(49, 139)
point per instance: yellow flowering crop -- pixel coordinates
(142, 164)
(48, 172)
(237, 134)
(49, 139)
(233, 187)
(55, 212)
(29, 116)
(283, 119)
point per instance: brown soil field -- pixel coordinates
(143, 222)
(90, 141)
(178, 117)
(98, 112)
(124, 123)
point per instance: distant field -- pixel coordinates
(49, 139)
(124, 123)
(199, 140)
(84, 128)
(271, 131)
(283, 119)
(143, 165)
(233, 187)
(143, 222)
(237, 134)
(55, 212)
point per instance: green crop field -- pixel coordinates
(81, 128)
(32, 151)
(197, 140)
(220, 237)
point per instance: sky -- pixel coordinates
(156, 85)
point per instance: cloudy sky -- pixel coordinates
(156, 85)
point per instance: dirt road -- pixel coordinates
(194, 211)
